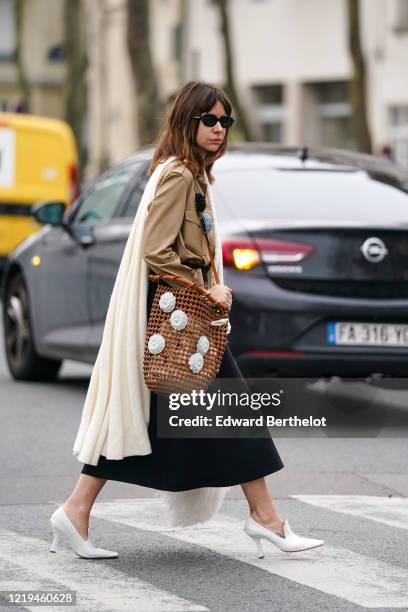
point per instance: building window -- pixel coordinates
(177, 42)
(8, 36)
(270, 111)
(328, 115)
(56, 53)
(398, 133)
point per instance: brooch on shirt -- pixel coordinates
(206, 218)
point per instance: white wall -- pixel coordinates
(42, 28)
(295, 42)
(112, 132)
(164, 16)
(387, 54)
(285, 42)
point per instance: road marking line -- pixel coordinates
(99, 587)
(16, 578)
(392, 511)
(335, 571)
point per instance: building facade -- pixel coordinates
(291, 60)
(292, 66)
(112, 99)
(40, 33)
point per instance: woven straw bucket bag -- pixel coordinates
(186, 334)
(186, 338)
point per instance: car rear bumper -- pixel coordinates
(296, 364)
(282, 332)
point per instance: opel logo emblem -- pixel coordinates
(374, 249)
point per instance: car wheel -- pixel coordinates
(23, 360)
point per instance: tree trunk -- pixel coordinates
(146, 89)
(357, 86)
(76, 65)
(22, 77)
(230, 85)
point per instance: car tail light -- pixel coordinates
(73, 175)
(240, 253)
(244, 253)
(283, 251)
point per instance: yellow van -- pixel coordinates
(38, 161)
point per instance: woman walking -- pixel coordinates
(117, 438)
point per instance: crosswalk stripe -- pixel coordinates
(336, 571)
(392, 511)
(15, 578)
(99, 586)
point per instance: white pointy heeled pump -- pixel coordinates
(63, 529)
(291, 542)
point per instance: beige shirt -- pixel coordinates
(173, 235)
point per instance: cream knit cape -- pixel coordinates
(116, 412)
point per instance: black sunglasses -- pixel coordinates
(210, 120)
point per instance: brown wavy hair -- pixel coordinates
(178, 136)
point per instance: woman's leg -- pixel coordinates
(261, 506)
(79, 504)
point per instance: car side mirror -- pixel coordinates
(49, 212)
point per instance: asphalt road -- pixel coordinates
(351, 492)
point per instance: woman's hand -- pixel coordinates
(223, 294)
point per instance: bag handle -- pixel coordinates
(214, 271)
(155, 278)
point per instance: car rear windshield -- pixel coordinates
(308, 195)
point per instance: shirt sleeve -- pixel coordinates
(162, 224)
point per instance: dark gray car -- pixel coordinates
(315, 249)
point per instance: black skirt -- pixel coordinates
(180, 464)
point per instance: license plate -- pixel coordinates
(367, 334)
